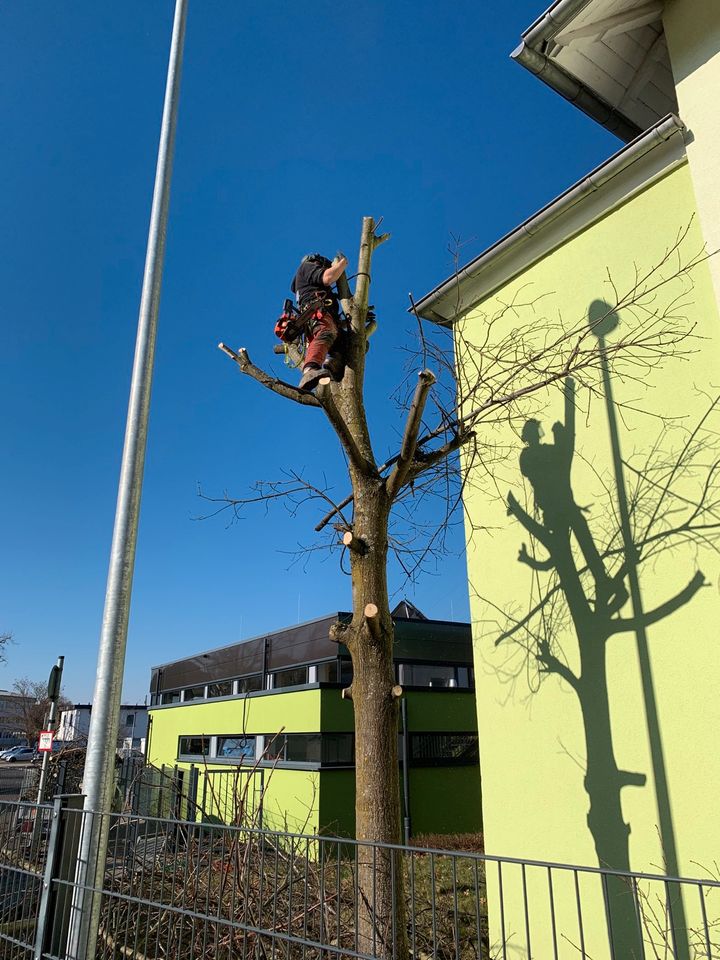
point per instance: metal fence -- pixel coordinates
(188, 890)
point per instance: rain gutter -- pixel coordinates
(666, 129)
(532, 53)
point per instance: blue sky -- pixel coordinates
(295, 121)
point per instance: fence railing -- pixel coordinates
(188, 889)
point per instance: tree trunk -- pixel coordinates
(381, 908)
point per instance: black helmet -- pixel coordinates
(316, 258)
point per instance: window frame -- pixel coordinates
(414, 761)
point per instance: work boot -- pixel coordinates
(312, 374)
(335, 366)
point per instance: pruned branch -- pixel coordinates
(354, 543)
(372, 620)
(535, 563)
(629, 778)
(552, 664)
(283, 389)
(664, 610)
(532, 526)
(412, 427)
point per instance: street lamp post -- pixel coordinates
(98, 778)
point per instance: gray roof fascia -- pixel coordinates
(557, 16)
(663, 131)
(575, 92)
(531, 54)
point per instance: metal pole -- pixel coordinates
(407, 824)
(53, 693)
(100, 759)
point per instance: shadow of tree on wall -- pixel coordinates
(584, 580)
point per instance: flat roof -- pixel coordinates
(429, 640)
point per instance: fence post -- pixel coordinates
(55, 901)
(192, 808)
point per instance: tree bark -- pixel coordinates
(373, 692)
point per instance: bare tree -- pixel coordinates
(35, 706)
(501, 374)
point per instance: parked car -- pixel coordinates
(21, 754)
(9, 750)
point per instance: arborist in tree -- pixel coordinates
(313, 288)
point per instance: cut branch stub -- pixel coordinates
(373, 621)
(354, 543)
(346, 694)
(283, 389)
(397, 691)
(337, 631)
(426, 378)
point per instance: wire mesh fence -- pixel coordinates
(187, 889)
(24, 836)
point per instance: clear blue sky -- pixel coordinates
(295, 120)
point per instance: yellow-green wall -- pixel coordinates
(443, 799)
(532, 739)
(290, 798)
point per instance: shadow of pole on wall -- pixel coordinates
(603, 321)
(594, 597)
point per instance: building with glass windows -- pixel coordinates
(263, 723)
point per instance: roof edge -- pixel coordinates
(576, 93)
(328, 616)
(667, 128)
(532, 54)
(558, 15)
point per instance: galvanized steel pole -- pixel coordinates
(100, 759)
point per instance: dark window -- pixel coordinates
(436, 675)
(429, 675)
(250, 684)
(194, 693)
(338, 748)
(130, 719)
(328, 672)
(444, 747)
(172, 696)
(326, 749)
(290, 678)
(275, 747)
(236, 748)
(303, 747)
(194, 747)
(222, 688)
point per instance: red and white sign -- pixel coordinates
(45, 741)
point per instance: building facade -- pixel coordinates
(13, 707)
(596, 636)
(264, 720)
(74, 724)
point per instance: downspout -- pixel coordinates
(407, 824)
